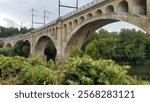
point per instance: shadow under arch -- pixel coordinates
(27, 46)
(8, 45)
(81, 33)
(45, 48)
(22, 48)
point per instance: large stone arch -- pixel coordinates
(8, 45)
(41, 44)
(80, 33)
(139, 7)
(123, 6)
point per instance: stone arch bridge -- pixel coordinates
(71, 30)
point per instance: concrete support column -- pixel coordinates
(31, 47)
(148, 7)
(130, 5)
(59, 42)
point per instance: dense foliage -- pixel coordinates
(50, 51)
(1, 44)
(128, 46)
(19, 70)
(21, 48)
(6, 51)
(86, 71)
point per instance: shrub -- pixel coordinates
(6, 51)
(76, 52)
(86, 71)
(34, 71)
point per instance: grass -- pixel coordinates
(142, 71)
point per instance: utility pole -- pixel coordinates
(33, 22)
(21, 24)
(32, 18)
(45, 12)
(13, 24)
(32, 10)
(77, 4)
(66, 6)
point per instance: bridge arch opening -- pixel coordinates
(27, 47)
(65, 31)
(54, 32)
(22, 48)
(123, 6)
(89, 15)
(139, 7)
(98, 12)
(70, 26)
(45, 48)
(82, 19)
(109, 9)
(75, 23)
(8, 45)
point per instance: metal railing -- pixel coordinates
(91, 4)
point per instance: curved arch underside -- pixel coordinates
(40, 46)
(80, 33)
(8, 45)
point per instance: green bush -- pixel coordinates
(76, 52)
(86, 71)
(6, 51)
(21, 48)
(19, 70)
(80, 70)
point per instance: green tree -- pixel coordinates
(92, 50)
(50, 51)
(132, 45)
(86, 71)
(1, 44)
(24, 30)
(102, 45)
(21, 48)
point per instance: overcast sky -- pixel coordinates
(18, 11)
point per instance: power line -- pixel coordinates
(66, 6)
(33, 15)
(45, 12)
(33, 10)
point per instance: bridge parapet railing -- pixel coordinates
(83, 8)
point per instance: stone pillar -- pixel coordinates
(148, 7)
(59, 42)
(31, 46)
(130, 5)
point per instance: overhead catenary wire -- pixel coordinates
(66, 6)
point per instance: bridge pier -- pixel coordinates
(148, 8)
